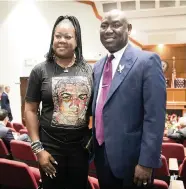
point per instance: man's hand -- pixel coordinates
(142, 175)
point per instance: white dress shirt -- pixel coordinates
(115, 62)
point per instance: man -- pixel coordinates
(178, 135)
(6, 133)
(5, 103)
(129, 108)
(1, 91)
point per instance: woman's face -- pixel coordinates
(64, 42)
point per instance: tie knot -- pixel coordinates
(110, 58)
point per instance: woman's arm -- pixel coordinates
(45, 159)
(31, 118)
(33, 99)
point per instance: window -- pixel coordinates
(182, 2)
(164, 3)
(128, 5)
(147, 4)
(109, 6)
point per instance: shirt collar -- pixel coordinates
(5, 93)
(118, 54)
(2, 122)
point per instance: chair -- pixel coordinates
(12, 129)
(182, 172)
(9, 124)
(168, 140)
(162, 173)
(4, 153)
(22, 151)
(173, 150)
(92, 169)
(159, 184)
(184, 143)
(23, 131)
(16, 174)
(18, 126)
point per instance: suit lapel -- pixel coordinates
(127, 61)
(97, 77)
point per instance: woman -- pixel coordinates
(63, 83)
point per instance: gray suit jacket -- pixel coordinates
(6, 133)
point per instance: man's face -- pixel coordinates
(7, 89)
(114, 31)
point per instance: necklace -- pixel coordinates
(69, 65)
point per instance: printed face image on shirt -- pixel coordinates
(71, 96)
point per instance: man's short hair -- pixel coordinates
(7, 87)
(3, 114)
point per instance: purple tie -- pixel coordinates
(106, 82)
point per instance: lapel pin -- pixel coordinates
(121, 67)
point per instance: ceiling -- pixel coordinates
(154, 21)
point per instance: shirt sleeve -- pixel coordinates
(33, 93)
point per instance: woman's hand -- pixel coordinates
(45, 160)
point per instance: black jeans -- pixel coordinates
(72, 168)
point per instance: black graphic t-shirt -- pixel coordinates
(65, 96)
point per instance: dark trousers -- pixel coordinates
(104, 174)
(72, 173)
(72, 168)
(10, 116)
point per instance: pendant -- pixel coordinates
(65, 70)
